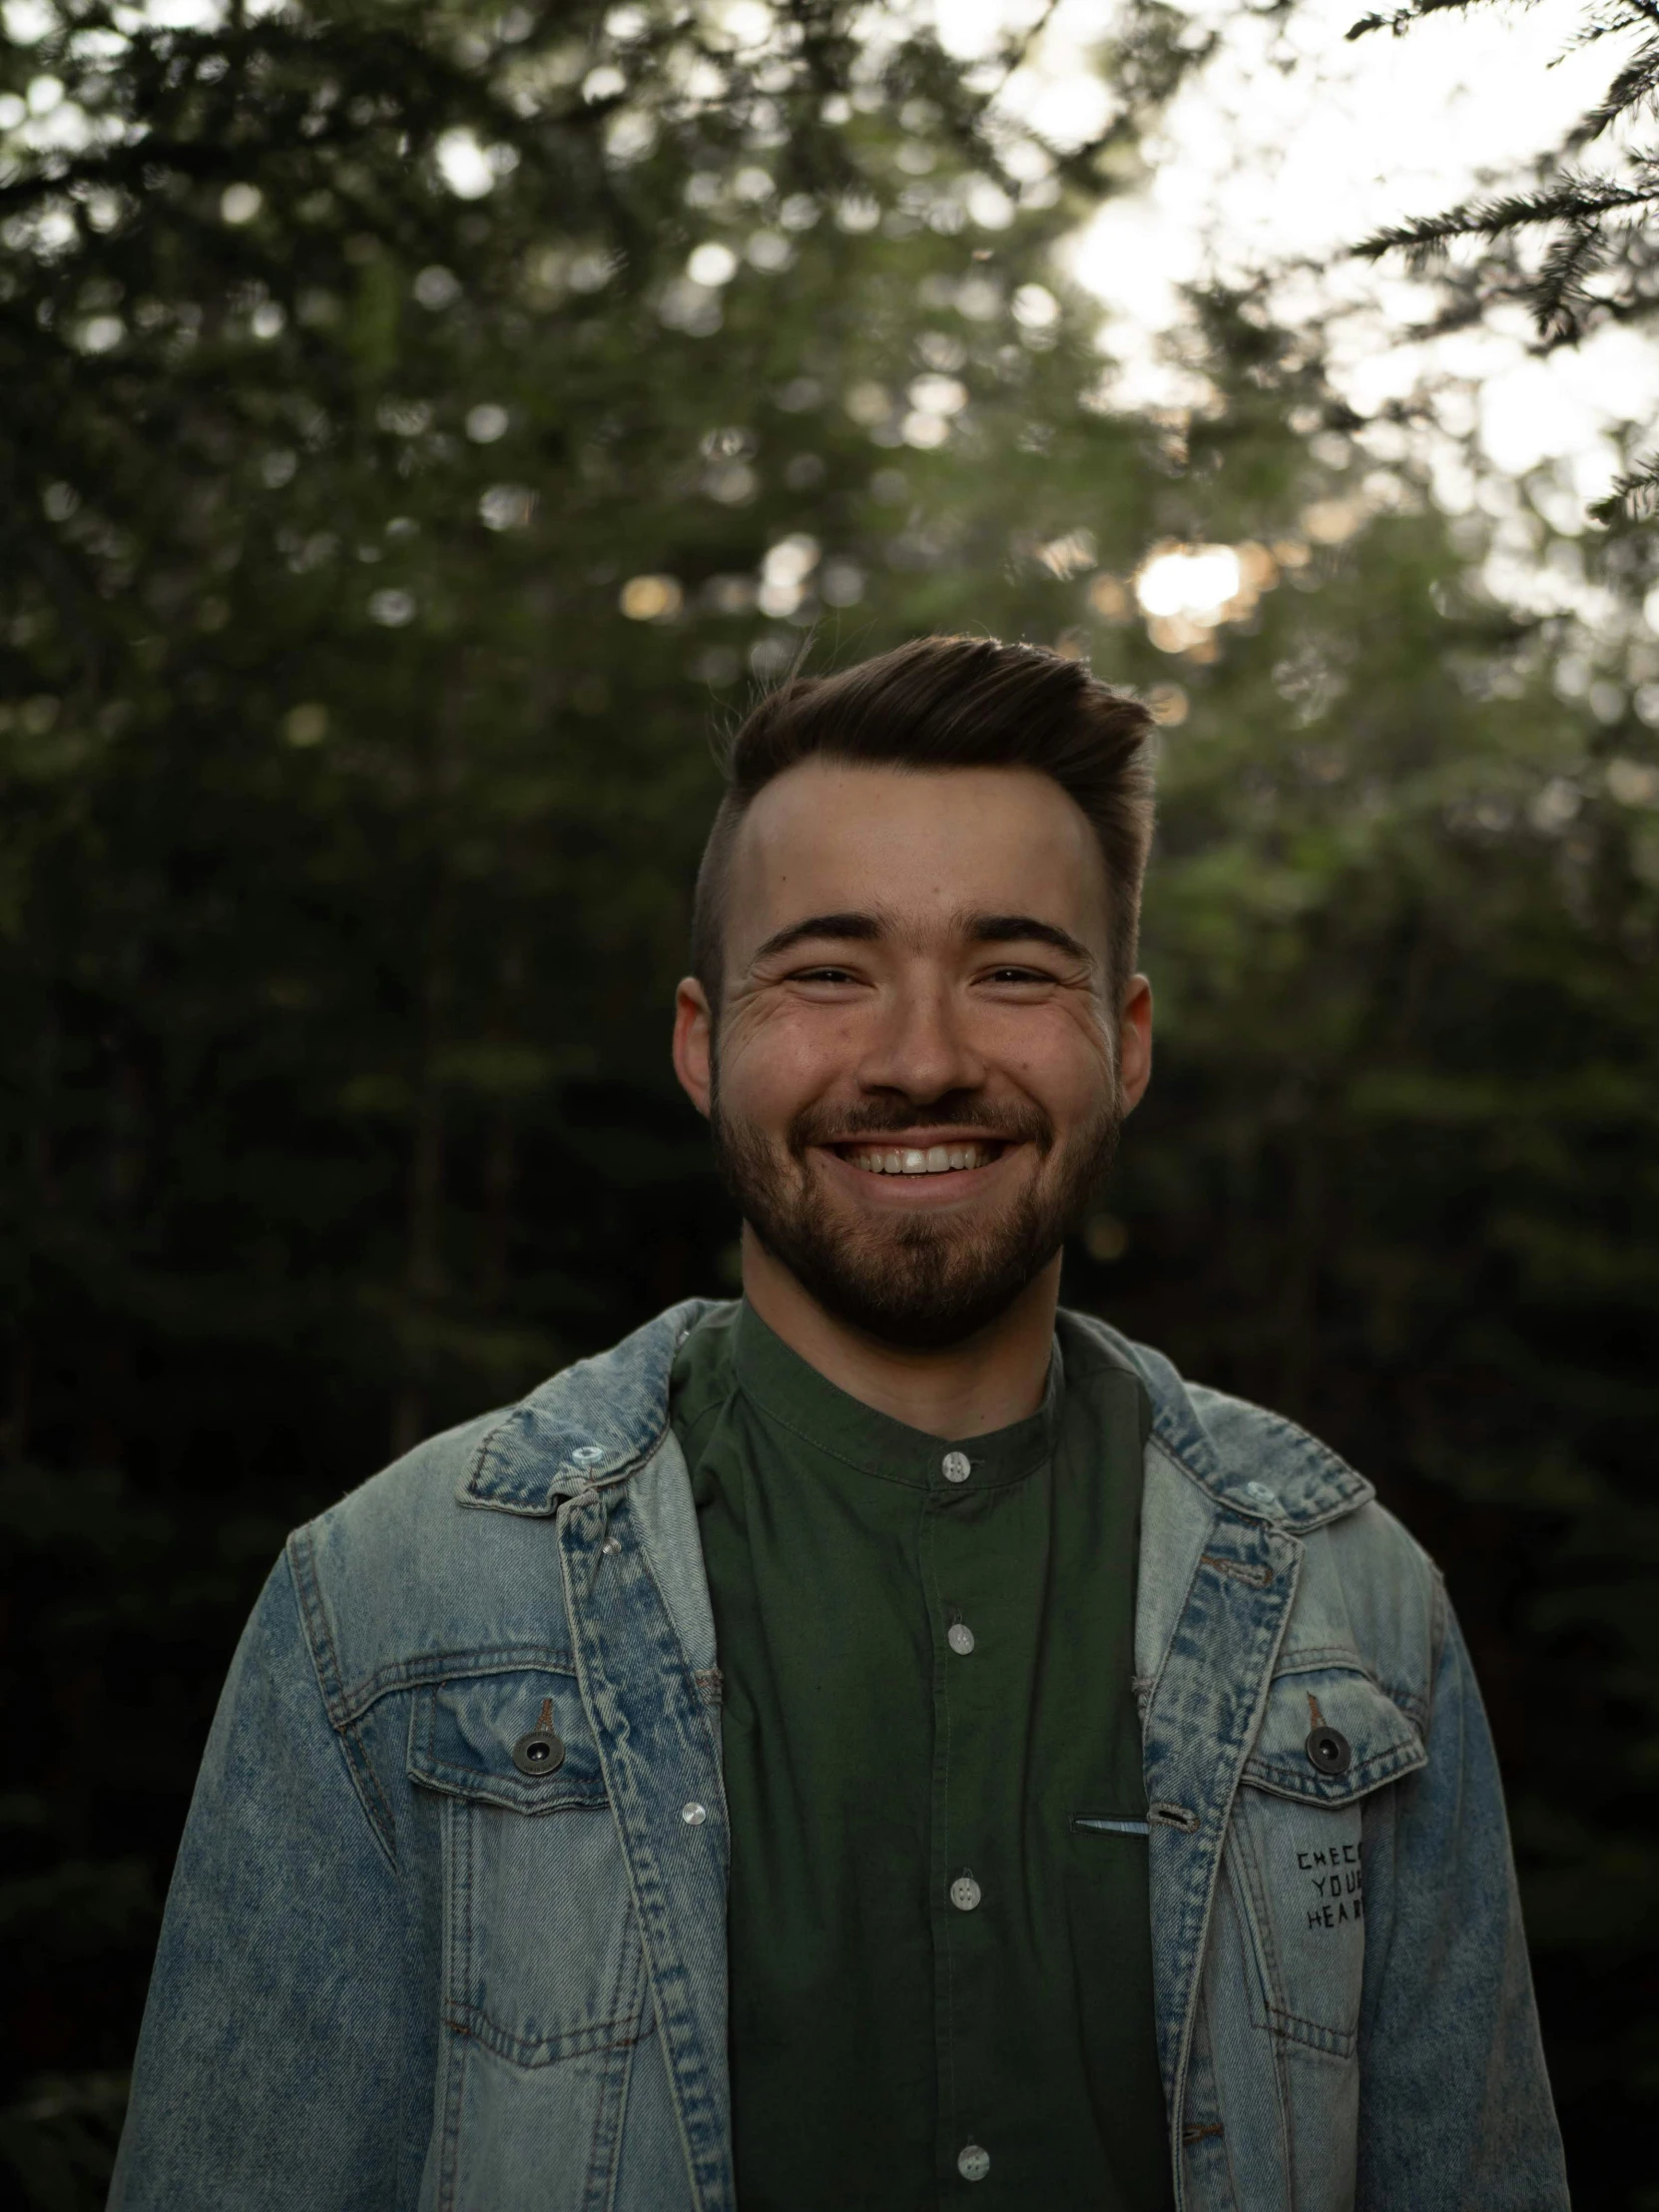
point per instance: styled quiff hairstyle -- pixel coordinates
(944, 703)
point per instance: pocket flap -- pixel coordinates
(1329, 1733)
(462, 1737)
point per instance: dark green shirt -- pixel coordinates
(940, 1952)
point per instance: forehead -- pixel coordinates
(925, 846)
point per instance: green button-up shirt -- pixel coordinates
(938, 1935)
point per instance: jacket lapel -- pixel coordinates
(657, 1726)
(1220, 1552)
(1206, 1703)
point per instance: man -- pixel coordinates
(888, 1743)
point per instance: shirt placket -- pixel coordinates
(964, 1904)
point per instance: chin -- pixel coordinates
(919, 1283)
(919, 1262)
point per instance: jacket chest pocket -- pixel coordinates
(1296, 1855)
(543, 1956)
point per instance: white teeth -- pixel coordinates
(937, 1159)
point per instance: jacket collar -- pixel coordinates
(598, 1421)
(1251, 1462)
(589, 1425)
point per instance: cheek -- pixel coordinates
(1063, 1061)
(774, 1060)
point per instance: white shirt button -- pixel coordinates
(972, 2163)
(693, 1815)
(964, 1893)
(960, 1638)
(1263, 1492)
(955, 1467)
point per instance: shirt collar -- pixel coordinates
(790, 1392)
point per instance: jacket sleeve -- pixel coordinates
(1456, 2112)
(267, 2068)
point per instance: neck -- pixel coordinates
(989, 1381)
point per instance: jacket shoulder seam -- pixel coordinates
(314, 1622)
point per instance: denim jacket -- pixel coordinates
(399, 1971)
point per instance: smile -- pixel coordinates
(935, 1159)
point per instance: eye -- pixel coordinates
(822, 976)
(1018, 975)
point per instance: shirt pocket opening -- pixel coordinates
(1108, 1823)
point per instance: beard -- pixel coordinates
(924, 1283)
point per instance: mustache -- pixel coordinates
(1009, 1123)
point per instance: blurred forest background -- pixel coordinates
(421, 425)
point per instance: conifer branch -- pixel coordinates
(1635, 87)
(1574, 247)
(1634, 497)
(1403, 18)
(1576, 199)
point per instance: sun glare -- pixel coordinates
(1191, 580)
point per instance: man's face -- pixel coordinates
(916, 1079)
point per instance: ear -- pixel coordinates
(1135, 1042)
(693, 1039)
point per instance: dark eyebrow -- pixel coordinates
(860, 929)
(1012, 928)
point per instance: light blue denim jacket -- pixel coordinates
(397, 1971)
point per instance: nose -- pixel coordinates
(920, 1046)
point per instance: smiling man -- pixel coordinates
(886, 1743)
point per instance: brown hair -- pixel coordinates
(943, 703)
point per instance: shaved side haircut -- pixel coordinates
(952, 703)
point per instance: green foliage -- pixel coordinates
(375, 560)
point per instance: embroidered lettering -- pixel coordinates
(1339, 1888)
